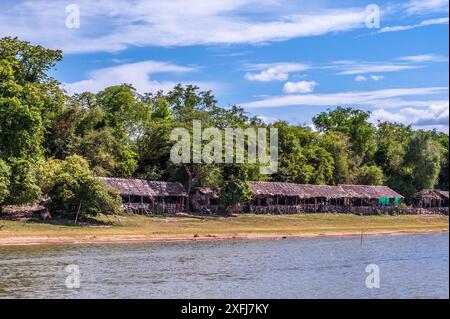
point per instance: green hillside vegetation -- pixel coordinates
(55, 144)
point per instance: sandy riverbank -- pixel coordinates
(25, 241)
(133, 229)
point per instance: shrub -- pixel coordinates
(71, 185)
(5, 174)
(23, 184)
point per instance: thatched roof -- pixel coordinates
(275, 188)
(435, 194)
(212, 192)
(142, 187)
(300, 190)
(370, 191)
(326, 191)
(443, 194)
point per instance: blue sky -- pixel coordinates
(278, 59)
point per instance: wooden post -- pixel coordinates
(76, 217)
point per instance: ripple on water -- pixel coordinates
(411, 266)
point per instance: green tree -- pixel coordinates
(423, 158)
(73, 187)
(29, 100)
(392, 141)
(443, 141)
(24, 187)
(124, 109)
(30, 65)
(338, 146)
(369, 175)
(5, 175)
(354, 124)
(21, 128)
(302, 157)
(187, 104)
(106, 154)
(235, 188)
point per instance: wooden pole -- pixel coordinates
(76, 217)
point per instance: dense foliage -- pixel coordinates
(54, 144)
(73, 187)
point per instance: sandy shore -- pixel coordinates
(139, 229)
(22, 241)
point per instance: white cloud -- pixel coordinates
(116, 25)
(280, 71)
(423, 58)
(361, 67)
(299, 87)
(386, 98)
(271, 74)
(268, 119)
(426, 6)
(138, 74)
(424, 23)
(377, 77)
(432, 116)
(360, 78)
(273, 71)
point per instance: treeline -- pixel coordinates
(54, 144)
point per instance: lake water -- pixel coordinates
(411, 266)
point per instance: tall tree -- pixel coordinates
(337, 145)
(29, 100)
(235, 187)
(353, 123)
(423, 157)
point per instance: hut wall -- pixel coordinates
(205, 200)
(314, 208)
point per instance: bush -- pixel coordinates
(71, 185)
(370, 175)
(5, 174)
(23, 185)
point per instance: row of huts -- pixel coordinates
(140, 195)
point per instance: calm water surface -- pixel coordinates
(411, 266)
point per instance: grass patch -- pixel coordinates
(181, 226)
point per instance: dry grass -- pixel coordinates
(176, 226)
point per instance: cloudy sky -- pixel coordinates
(279, 59)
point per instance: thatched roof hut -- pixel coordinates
(281, 197)
(429, 198)
(322, 191)
(205, 199)
(211, 192)
(142, 187)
